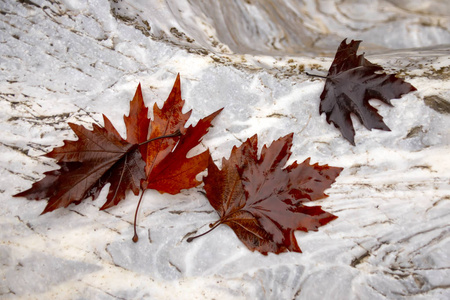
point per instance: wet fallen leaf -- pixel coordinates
(98, 157)
(351, 82)
(262, 200)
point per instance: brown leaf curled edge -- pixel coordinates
(351, 82)
(262, 201)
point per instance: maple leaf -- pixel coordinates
(351, 82)
(262, 201)
(168, 170)
(98, 157)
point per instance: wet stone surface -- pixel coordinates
(71, 61)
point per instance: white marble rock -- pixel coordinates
(72, 60)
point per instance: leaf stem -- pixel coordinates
(216, 224)
(135, 237)
(175, 134)
(315, 75)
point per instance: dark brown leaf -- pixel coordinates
(263, 202)
(351, 82)
(99, 156)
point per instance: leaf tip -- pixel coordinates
(138, 91)
(177, 81)
(217, 112)
(20, 194)
(47, 209)
(214, 114)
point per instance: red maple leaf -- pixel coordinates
(262, 201)
(351, 82)
(168, 169)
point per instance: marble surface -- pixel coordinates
(69, 61)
